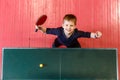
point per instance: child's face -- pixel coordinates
(68, 26)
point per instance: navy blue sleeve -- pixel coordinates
(84, 34)
(54, 31)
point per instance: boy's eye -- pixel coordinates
(71, 25)
(66, 24)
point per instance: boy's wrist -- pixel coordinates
(93, 35)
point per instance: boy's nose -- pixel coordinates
(68, 27)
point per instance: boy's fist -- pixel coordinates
(98, 34)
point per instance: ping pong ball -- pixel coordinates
(41, 65)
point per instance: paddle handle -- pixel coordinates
(36, 30)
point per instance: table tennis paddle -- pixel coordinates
(41, 20)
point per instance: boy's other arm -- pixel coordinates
(39, 27)
(97, 34)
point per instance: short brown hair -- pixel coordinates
(70, 17)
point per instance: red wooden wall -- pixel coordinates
(17, 18)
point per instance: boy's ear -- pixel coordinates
(62, 25)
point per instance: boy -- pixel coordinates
(68, 34)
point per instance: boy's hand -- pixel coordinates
(39, 27)
(98, 34)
